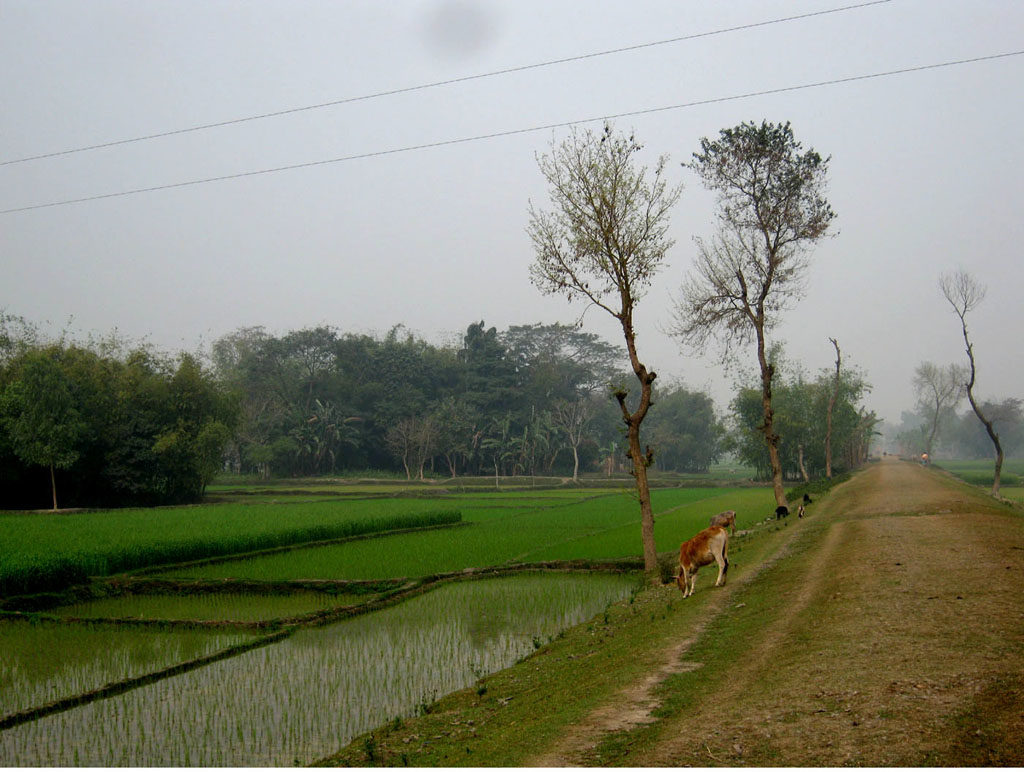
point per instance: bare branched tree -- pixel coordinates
(602, 241)
(938, 391)
(572, 418)
(771, 210)
(964, 293)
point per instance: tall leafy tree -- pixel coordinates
(41, 415)
(488, 378)
(602, 240)
(559, 360)
(772, 210)
(685, 430)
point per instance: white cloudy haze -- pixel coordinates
(925, 166)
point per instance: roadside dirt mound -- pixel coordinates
(900, 642)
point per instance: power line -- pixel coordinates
(513, 132)
(436, 84)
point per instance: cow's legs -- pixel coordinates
(723, 567)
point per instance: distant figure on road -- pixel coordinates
(924, 459)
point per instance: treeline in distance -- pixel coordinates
(111, 424)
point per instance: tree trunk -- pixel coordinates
(828, 418)
(53, 487)
(640, 459)
(643, 490)
(575, 464)
(803, 469)
(768, 426)
(989, 428)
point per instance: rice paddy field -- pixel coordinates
(981, 473)
(306, 696)
(207, 685)
(47, 551)
(221, 606)
(505, 529)
(41, 662)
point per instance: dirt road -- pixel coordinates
(891, 634)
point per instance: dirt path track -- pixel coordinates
(891, 634)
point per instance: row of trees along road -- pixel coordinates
(822, 425)
(605, 237)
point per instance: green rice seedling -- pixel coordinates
(47, 661)
(603, 527)
(1014, 493)
(45, 552)
(317, 689)
(982, 471)
(219, 606)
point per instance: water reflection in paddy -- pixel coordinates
(305, 697)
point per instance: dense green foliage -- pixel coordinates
(118, 427)
(318, 401)
(42, 552)
(684, 429)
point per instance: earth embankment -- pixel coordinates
(891, 634)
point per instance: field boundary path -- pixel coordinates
(887, 631)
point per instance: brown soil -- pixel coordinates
(900, 642)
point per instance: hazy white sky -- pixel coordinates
(925, 171)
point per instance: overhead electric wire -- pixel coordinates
(529, 130)
(436, 84)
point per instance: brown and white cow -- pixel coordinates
(725, 519)
(708, 546)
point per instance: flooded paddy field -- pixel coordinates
(41, 662)
(307, 695)
(219, 606)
